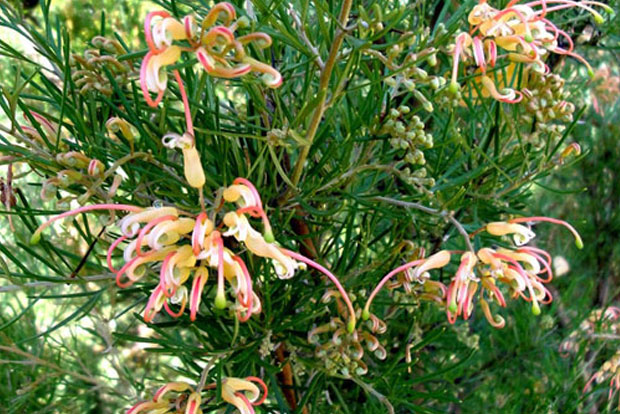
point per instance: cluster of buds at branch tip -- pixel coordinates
(181, 397)
(87, 70)
(526, 36)
(213, 41)
(342, 349)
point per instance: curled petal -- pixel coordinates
(495, 321)
(172, 386)
(148, 31)
(271, 77)
(224, 11)
(262, 40)
(200, 279)
(509, 95)
(143, 83)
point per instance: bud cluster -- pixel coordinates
(407, 135)
(545, 100)
(341, 350)
(90, 71)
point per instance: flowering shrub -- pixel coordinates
(378, 139)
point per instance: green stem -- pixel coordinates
(322, 91)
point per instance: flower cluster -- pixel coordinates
(70, 167)
(181, 397)
(523, 33)
(609, 370)
(603, 321)
(524, 270)
(87, 70)
(545, 101)
(213, 43)
(184, 244)
(607, 89)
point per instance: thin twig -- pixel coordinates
(304, 37)
(12, 288)
(326, 73)
(448, 215)
(39, 361)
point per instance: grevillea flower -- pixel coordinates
(523, 234)
(524, 271)
(419, 268)
(181, 244)
(213, 41)
(243, 393)
(174, 397)
(181, 397)
(42, 125)
(523, 32)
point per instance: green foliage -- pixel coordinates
(361, 169)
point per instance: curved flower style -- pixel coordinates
(213, 41)
(182, 244)
(523, 32)
(524, 270)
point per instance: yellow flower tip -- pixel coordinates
(528, 38)
(535, 308)
(35, 238)
(453, 88)
(608, 10)
(351, 325)
(365, 314)
(220, 301)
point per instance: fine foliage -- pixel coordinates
(307, 206)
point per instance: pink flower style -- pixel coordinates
(524, 270)
(523, 32)
(185, 244)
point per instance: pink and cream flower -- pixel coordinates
(525, 35)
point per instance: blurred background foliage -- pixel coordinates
(71, 341)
